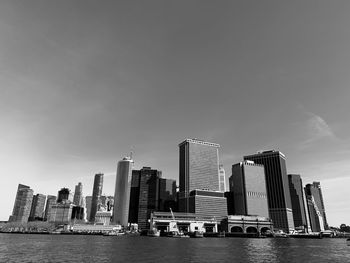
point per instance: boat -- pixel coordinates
(114, 233)
(197, 234)
(153, 233)
(177, 234)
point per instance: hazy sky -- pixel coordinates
(84, 81)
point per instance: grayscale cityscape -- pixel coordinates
(169, 131)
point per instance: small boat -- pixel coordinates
(177, 234)
(153, 233)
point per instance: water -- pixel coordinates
(75, 248)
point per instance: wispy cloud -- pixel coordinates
(317, 128)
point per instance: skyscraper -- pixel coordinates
(316, 207)
(199, 169)
(63, 195)
(96, 195)
(37, 210)
(299, 203)
(249, 189)
(51, 200)
(23, 203)
(78, 194)
(122, 192)
(222, 179)
(277, 186)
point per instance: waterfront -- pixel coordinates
(75, 248)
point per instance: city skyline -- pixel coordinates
(83, 82)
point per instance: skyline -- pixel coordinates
(84, 82)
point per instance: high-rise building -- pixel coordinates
(316, 207)
(222, 179)
(78, 194)
(88, 201)
(199, 169)
(277, 186)
(299, 203)
(23, 203)
(96, 195)
(122, 192)
(51, 200)
(149, 192)
(37, 212)
(249, 189)
(63, 195)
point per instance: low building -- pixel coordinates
(103, 218)
(246, 224)
(186, 222)
(61, 213)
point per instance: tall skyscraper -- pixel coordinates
(249, 189)
(222, 179)
(149, 192)
(78, 194)
(23, 204)
(122, 192)
(316, 207)
(63, 195)
(199, 169)
(38, 206)
(96, 195)
(51, 200)
(299, 203)
(278, 194)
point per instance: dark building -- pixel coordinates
(316, 207)
(96, 195)
(299, 203)
(51, 200)
(37, 212)
(148, 193)
(249, 188)
(230, 199)
(208, 204)
(199, 169)
(23, 204)
(63, 195)
(77, 213)
(277, 186)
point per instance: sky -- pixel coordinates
(84, 82)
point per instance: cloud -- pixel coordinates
(317, 128)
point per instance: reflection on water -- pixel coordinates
(65, 248)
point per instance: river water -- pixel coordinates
(76, 248)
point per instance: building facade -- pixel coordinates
(299, 203)
(96, 195)
(222, 179)
(37, 212)
(208, 204)
(316, 207)
(122, 192)
(249, 189)
(63, 195)
(198, 169)
(277, 186)
(61, 213)
(88, 201)
(78, 194)
(51, 200)
(23, 204)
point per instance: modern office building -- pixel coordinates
(61, 213)
(316, 207)
(78, 194)
(222, 179)
(23, 204)
(149, 192)
(51, 200)
(277, 186)
(37, 212)
(88, 201)
(199, 169)
(299, 203)
(208, 204)
(249, 189)
(122, 192)
(96, 195)
(63, 195)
